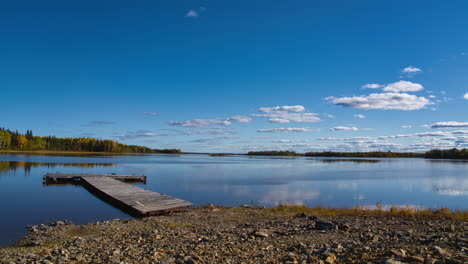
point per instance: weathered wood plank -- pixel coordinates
(140, 200)
(131, 198)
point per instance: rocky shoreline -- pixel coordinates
(212, 234)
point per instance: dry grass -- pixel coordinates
(407, 211)
(83, 231)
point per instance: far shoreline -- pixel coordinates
(347, 155)
(39, 152)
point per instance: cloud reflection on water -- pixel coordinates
(450, 186)
(297, 197)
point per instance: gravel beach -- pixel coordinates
(212, 234)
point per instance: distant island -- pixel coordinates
(15, 141)
(273, 153)
(221, 154)
(432, 154)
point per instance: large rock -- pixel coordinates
(325, 225)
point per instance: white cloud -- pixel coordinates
(286, 130)
(403, 86)
(346, 139)
(407, 126)
(288, 108)
(192, 13)
(287, 114)
(411, 70)
(371, 86)
(200, 122)
(420, 135)
(437, 134)
(449, 124)
(422, 142)
(138, 134)
(150, 113)
(338, 128)
(289, 141)
(209, 132)
(360, 116)
(240, 119)
(465, 96)
(384, 101)
(432, 96)
(215, 140)
(460, 132)
(286, 117)
(208, 123)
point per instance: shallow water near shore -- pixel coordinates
(229, 181)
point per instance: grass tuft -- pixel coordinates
(406, 211)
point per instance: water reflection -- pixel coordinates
(273, 157)
(449, 161)
(348, 160)
(6, 166)
(450, 187)
(292, 197)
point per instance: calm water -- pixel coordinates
(229, 181)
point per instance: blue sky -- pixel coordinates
(233, 76)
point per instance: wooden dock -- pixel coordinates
(111, 188)
(62, 177)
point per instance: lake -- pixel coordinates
(230, 181)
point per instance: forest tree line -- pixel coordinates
(13, 140)
(432, 154)
(447, 154)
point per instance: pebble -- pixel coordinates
(393, 261)
(261, 234)
(45, 252)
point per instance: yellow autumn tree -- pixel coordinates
(22, 141)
